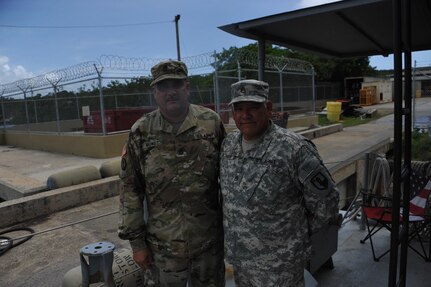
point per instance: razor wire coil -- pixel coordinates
(115, 63)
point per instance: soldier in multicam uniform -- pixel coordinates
(276, 192)
(172, 159)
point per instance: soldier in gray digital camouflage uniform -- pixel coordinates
(276, 192)
(172, 159)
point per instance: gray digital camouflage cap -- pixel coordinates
(168, 70)
(249, 91)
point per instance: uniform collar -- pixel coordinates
(260, 151)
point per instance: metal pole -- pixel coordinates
(261, 45)
(54, 86)
(102, 106)
(2, 110)
(77, 106)
(24, 91)
(281, 91)
(57, 114)
(280, 73)
(35, 108)
(407, 140)
(239, 70)
(313, 90)
(177, 18)
(216, 83)
(398, 121)
(366, 180)
(414, 96)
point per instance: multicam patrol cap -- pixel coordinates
(168, 70)
(249, 91)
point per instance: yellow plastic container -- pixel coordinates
(333, 110)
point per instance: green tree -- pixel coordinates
(327, 69)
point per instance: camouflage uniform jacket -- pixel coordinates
(178, 175)
(270, 193)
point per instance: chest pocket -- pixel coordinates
(264, 186)
(250, 181)
(191, 157)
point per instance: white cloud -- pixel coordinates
(310, 3)
(10, 73)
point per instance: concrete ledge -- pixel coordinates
(45, 203)
(14, 185)
(322, 131)
(302, 121)
(97, 146)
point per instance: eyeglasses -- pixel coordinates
(170, 84)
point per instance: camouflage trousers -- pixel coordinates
(206, 269)
(244, 277)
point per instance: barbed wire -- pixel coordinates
(115, 62)
(273, 62)
(143, 64)
(55, 77)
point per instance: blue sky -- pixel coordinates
(26, 52)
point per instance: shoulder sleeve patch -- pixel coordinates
(320, 181)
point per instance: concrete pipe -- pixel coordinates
(110, 168)
(124, 269)
(73, 177)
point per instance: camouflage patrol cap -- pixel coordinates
(168, 70)
(249, 91)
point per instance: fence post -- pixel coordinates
(280, 73)
(216, 83)
(313, 90)
(53, 79)
(77, 105)
(239, 70)
(102, 106)
(261, 59)
(34, 106)
(24, 91)
(2, 109)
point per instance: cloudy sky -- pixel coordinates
(39, 36)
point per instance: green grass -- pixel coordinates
(347, 121)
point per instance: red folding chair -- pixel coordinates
(378, 214)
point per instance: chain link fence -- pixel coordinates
(109, 94)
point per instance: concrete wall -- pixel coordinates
(65, 126)
(45, 203)
(96, 146)
(302, 121)
(83, 145)
(2, 138)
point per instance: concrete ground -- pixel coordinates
(45, 259)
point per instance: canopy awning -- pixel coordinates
(347, 28)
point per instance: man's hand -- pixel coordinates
(143, 258)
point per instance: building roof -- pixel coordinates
(342, 29)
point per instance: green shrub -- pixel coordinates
(421, 146)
